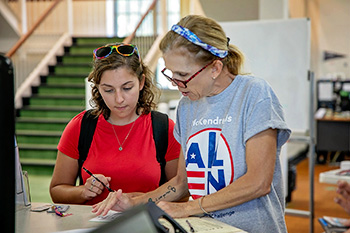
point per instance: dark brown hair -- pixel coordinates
(149, 95)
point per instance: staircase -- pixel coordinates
(61, 95)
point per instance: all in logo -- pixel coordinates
(209, 162)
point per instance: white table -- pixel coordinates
(43, 222)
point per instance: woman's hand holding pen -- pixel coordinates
(117, 201)
(92, 187)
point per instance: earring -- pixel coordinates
(213, 78)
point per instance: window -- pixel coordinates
(128, 13)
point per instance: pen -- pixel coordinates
(189, 224)
(88, 172)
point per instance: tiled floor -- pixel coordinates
(323, 199)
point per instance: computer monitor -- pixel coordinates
(7, 145)
(22, 183)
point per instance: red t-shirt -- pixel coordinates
(135, 168)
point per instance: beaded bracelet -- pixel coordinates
(200, 205)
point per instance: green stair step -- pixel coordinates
(50, 112)
(44, 100)
(77, 59)
(40, 126)
(53, 108)
(64, 79)
(37, 154)
(38, 147)
(53, 96)
(82, 49)
(38, 133)
(37, 167)
(52, 120)
(72, 69)
(59, 96)
(38, 137)
(38, 162)
(39, 170)
(39, 123)
(37, 151)
(26, 113)
(63, 85)
(62, 89)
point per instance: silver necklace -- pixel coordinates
(121, 145)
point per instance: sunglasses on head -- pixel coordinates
(125, 50)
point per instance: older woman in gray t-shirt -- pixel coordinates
(231, 128)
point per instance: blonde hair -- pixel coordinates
(210, 32)
(149, 94)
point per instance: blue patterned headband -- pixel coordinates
(193, 38)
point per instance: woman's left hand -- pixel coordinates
(117, 201)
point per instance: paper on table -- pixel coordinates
(77, 230)
(338, 222)
(111, 215)
(199, 224)
(203, 225)
(320, 113)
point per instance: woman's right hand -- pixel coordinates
(93, 188)
(117, 201)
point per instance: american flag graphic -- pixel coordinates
(196, 183)
(209, 163)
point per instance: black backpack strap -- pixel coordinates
(87, 130)
(160, 127)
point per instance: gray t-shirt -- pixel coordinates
(213, 132)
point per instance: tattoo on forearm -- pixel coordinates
(170, 189)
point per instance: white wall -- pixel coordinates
(8, 36)
(334, 36)
(273, 9)
(330, 25)
(231, 10)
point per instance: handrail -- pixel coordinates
(128, 39)
(23, 38)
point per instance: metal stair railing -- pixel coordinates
(43, 137)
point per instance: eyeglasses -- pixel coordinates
(169, 75)
(125, 50)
